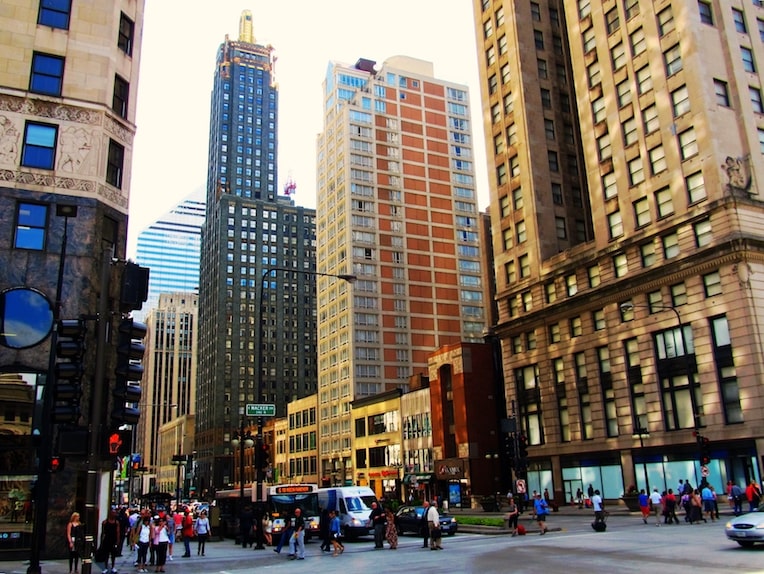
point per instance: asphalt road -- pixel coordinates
(628, 546)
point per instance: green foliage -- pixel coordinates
(481, 521)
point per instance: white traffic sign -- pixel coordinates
(704, 471)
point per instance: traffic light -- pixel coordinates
(135, 461)
(56, 463)
(134, 288)
(263, 458)
(509, 447)
(522, 446)
(129, 371)
(705, 450)
(69, 370)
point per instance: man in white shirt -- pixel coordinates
(599, 515)
(655, 501)
(433, 521)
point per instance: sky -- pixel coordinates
(179, 46)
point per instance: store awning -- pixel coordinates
(417, 478)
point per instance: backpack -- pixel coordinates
(521, 530)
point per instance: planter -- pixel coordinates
(490, 504)
(631, 502)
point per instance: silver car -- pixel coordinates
(747, 529)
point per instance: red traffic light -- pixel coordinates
(56, 463)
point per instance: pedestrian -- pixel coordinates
(644, 505)
(391, 532)
(245, 526)
(695, 507)
(580, 498)
(753, 494)
(707, 496)
(669, 508)
(599, 511)
(335, 533)
(511, 517)
(161, 535)
(534, 496)
(108, 548)
(187, 530)
(297, 542)
(433, 521)
(737, 499)
(202, 531)
(267, 528)
(75, 538)
(541, 509)
(326, 537)
(124, 528)
(170, 534)
(656, 503)
(730, 499)
(424, 528)
(286, 534)
(142, 537)
(377, 519)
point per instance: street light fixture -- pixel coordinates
(629, 306)
(241, 441)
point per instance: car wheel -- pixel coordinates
(745, 543)
(399, 530)
(451, 533)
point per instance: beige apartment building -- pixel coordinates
(625, 144)
(397, 208)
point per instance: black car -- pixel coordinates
(409, 519)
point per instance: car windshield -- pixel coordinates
(358, 504)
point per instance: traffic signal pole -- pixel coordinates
(97, 412)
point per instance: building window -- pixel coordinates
(557, 194)
(505, 74)
(618, 56)
(39, 148)
(747, 55)
(559, 223)
(631, 8)
(677, 379)
(517, 198)
(609, 186)
(527, 300)
(598, 110)
(725, 370)
(739, 19)
(712, 284)
(678, 295)
(554, 164)
(627, 313)
(571, 286)
(636, 171)
(546, 98)
(721, 90)
(696, 187)
(538, 38)
(703, 233)
(615, 224)
(593, 273)
(501, 174)
(589, 39)
(608, 394)
(550, 292)
(647, 254)
(507, 234)
(503, 46)
(657, 160)
(756, 102)
(629, 128)
(55, 13)
(641, 212)
(665, 21)
(121, 96)
(584, 401)
(637, 41)
(115, 164)
(706, 15)
(504, 203)
(670, 245)
(543, 71)
(650, 119)
(522, 235)
(488, 28)
(624, 93)
(47, 75)
(576, 329)
(490, 56)
(493, 84)
(549, 129)
(593, 73)
(760, 24)
(761, 139)
(604, 149)
(31, 225)
(535, 12)
(680, 101)
(688, 144)
(509, 272)
(126, 34)
(612, 22)
(525, 266)
(644, 80)
(664, 202)
(598, 319)
(672, 58)
(584, 8)
(620, 265)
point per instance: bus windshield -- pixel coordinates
(281, 503)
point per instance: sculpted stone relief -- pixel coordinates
(9, 141)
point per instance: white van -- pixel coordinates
(353, 506)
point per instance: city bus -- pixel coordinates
(281, 500)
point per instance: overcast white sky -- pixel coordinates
(180, 41)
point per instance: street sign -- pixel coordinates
(704, 471)
(261, 410)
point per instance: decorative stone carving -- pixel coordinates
(738, 173)
(73, 149)
(9, 141)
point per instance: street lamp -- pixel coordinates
(641, 431)
(179, 460)
(629, 306)
(259, 451)
(241, 441)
